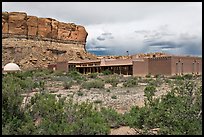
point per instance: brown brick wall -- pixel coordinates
(185, 65)
(62, 66)
(160, 65)
(140, 67)
(52, 67)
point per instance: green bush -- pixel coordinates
(135, 117)
(42, 73)
(58, 73)
(67, 84)
(108, 90)
(107, 72)
(79, 93)
(98, 101)
(152, 82)
(177, 77)
(114, 119)
(159, 76)
(149, 92)
(148, 76)
(75, 75)
(131, 82)
(93, 84)
(93, 75)
(175, 113)
(112, 80)
(114, 97)
(58, 117)
(179, 112)
(188, 76)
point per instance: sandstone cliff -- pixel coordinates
(34, 42)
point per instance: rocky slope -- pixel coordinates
(34, 42)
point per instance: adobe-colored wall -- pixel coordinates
(160, 65)
(52, 67)
(62, 66)
(140, 67)
(187, 66)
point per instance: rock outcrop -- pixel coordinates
(36, 42)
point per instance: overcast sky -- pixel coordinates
(137, 27)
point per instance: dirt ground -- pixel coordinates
(125, 97)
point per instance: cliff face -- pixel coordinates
(34, 42)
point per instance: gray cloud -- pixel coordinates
(100, 38)
(164, 44)
(122, 26)
(105, 36)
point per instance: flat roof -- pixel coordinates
(83, 61)
(116, 62)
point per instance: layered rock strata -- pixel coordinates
(34, 42)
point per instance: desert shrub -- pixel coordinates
(67, 84)
(75, 75)
(149, 92)
(107, 72)
(168, 81)
(188, 76)
(25, 83)
(152, 82)
(131, 82)
(177, 77)
(66, 117)
(108, 90)
(23, 74)
(85, 120)
(93, 84)
(114, 97)
(57, 117)
(148, 76)
(112, 80)
(177, 113)
(113, 118)
(58, 73)
(12, 115)
(93, 75)
(61, 78)
(98, 101)
(135, 117)
(79, 93)
(42, 73)
(159, 76)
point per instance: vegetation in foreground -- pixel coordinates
(177, 113)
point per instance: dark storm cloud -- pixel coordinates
(100, 38)
(105, 36)
(164, 44)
